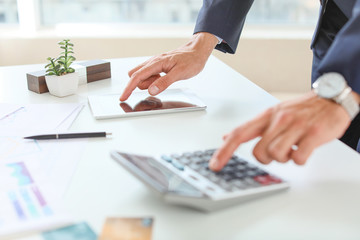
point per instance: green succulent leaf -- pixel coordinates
(71, 70)
(61, 64)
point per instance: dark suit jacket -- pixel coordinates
(225, 19)
(336, 41)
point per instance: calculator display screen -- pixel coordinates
(166, 181)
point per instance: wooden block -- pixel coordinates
(98, 76)
(95, 70)
(96, 66)
(36, 82)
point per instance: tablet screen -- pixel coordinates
(141, 103)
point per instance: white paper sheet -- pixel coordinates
(37, 118)
(24, 206)
(6, 109)
(34, 175)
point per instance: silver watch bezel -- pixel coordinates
(321, 82)
(343, 97)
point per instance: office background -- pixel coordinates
(273, 52)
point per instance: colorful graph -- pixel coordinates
(27, 200)
(20, 173)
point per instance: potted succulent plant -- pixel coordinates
(61, 79)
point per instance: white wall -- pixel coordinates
(277, 65)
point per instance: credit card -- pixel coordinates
(127, 229)
(80, 231)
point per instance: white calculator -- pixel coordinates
(185, 179)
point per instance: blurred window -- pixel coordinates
(8, 12)
(263, 12)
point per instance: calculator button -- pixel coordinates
(227, 169)
(210, 152)
(240, 168)
(239, 175)
(194, 166)
(275, 179)
(260, 172)
(213, 178)
(267, 179)
(195, 159)
(224, 185)
(193, 177)
(251, 174)
(178, 165)
(198, 153)
(227, 177)
(203, 171)
(176, 156)
(239, 184)
(251, 182)
(166, 158)
(184, 160)
(263, 180)
(187, 154)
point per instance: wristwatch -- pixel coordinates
(333, 86)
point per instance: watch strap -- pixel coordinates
(347, 100)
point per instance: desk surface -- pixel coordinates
(322, 203)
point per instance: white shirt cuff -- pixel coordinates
(219, 39)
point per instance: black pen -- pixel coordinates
(68, 135)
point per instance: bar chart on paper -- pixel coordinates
(23, 206)
(31, 170)
(21, 192)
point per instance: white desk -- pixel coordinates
(322, 203)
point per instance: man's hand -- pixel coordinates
(290, 130)
(182, 63)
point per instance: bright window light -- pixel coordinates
(263, 12)
(8, 12)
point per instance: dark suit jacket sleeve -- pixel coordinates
(225, 19)
(344, 54)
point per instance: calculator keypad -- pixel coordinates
(238, 174)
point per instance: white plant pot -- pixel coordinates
(64, 85)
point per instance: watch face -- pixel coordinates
(330, 85)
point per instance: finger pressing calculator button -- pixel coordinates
(178, 165)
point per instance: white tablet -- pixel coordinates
(141, 103)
